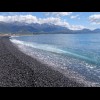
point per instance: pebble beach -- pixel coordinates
(20, 70)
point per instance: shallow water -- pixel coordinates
(79, 53)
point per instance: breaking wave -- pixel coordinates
(50, 48)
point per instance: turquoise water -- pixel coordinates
(82, 46)
(81, 50)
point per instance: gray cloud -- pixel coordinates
(95, 19)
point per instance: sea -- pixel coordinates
(74, 55)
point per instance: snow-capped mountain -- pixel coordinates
(21, 27)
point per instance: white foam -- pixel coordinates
(14, 36)
(39, 46)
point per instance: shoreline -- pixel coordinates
(24, 71)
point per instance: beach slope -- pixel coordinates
(20, 70)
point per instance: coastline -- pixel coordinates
(23, 71)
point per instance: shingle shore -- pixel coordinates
(20, 70)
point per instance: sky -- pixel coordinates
(71, 20)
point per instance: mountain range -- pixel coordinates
(25, 28)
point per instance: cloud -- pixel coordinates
(58, 21)
(76, 27)
(58, 14)
(53, 20)
(33, 19)
(73, 17)
(95, 19)
(19, 18)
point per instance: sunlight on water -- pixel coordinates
(49, 48)
(79, 53)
